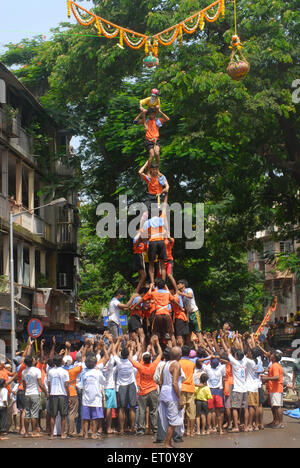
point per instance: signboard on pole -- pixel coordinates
(35, 328)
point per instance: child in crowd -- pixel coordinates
(202, 396)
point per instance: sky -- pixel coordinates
(20, 19)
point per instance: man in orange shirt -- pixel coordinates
(152, 125)
(188, 390)
(148, 395)
(275, 385)
(162, 322)
(181, 323)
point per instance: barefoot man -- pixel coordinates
(170, 405)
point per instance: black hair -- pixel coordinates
(143, 290)
(199, 364)
(166, 354)
(150, 111)
(160, 283)
(201, 353)
(28, 361)
(183, 281)
(185, 350)
(203, 378)
(239, 355)
(256, 352)
(57, 361)
(91, 361)
(120, 291)
(147, 359)
(124, 353)
(2, 383)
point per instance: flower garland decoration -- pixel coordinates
(136, 40)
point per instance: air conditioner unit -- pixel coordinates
(62, 280)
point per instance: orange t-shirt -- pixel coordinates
(152, 133)
(146, 373)
(228, 379)
(276, 386)
(161, 299)
(139, 247)
(6, 374)
(155, 184)
(188, 368)
(137, 309)
(73, 373)
(42, 368)
(20, 377)
(169, 243)
(178, 311)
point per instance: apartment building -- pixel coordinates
(46, 238)
(284, 285)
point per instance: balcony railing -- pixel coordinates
(66, 233)
(18, 138)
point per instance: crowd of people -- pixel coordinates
(142, 384)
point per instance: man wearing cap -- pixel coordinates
(148, 395)
(152, 101)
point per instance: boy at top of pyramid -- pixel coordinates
(152, 123)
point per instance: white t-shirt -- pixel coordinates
(57, 377)
(239, 374)
(93, 381)
(3, 397)
(114, 311)
(31, 376)
(215, 376)
(251, 380)
(108, 372)
(189, 304)
(126, 371)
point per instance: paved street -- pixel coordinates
(269, 438)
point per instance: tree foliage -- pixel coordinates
(232, 145)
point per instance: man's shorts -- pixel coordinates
(253, 399)
(239, 400)
(169, 267)
(138, 262)
(110, 398)
(227, 398)
(134, 323)
(32, 408)
(188, 401)
(21, 401)
(217, 399)
(157, 248)
(276, 399)
(58, 404)
(151, 203)
(193, 322)
(89, 413)
(181, 327)
(261, 395)
(201, 407)
(162, 325)
(150, 144)
(127, 395)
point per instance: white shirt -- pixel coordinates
(189, 304)
(3, 397)
(31, 376)
(108, 372)
(125, 370)
(93, 381)
(251, 380)
(57, 377)
(215, 376)
(114, 311)
(239, 374)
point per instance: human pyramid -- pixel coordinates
(178, 379)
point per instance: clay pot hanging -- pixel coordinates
(151, 61)
(238, 66)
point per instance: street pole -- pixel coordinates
(12, 290)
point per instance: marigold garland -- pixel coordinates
(137, 40)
